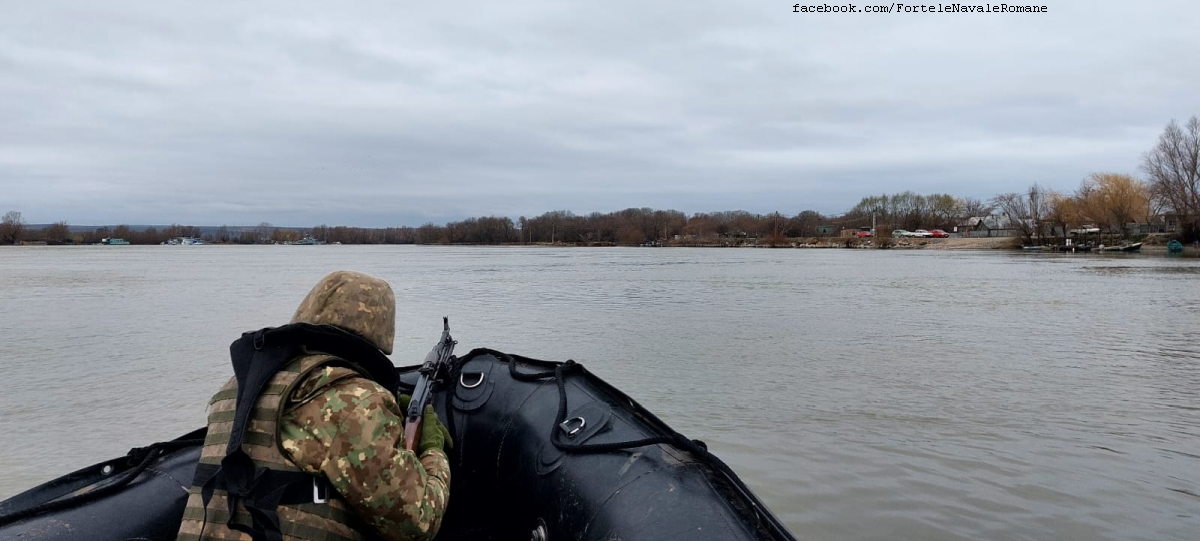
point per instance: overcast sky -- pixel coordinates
(394, 113)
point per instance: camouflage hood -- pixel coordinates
(356, 302)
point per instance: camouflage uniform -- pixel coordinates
(323, 418)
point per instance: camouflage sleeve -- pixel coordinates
(352, 432)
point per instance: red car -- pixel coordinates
(938, 233)
(862, 234)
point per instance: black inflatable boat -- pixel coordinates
(544, 451)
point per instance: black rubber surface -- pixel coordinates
(508, 478)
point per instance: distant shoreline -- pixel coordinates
(1006, 244)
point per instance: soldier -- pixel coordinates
(321, 421)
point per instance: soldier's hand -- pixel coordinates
(434, 434)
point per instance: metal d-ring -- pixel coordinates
(464, 384)
(566, 426)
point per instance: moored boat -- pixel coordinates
(542, 450)
(183, 241)
(1174, 247)
(306, 241)
(1123, 248)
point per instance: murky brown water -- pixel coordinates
(862, 394)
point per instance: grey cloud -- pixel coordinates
(379, 114)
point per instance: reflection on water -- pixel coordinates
(863, 394)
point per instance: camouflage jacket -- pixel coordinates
(350, 430)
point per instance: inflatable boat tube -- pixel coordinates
(542, 450)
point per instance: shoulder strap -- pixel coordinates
(355, 350)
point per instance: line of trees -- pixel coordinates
(14, 229)
(626, 227)
(1118, 203)
(1110, 201)
(908, 210)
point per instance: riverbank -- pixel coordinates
(958, 244)
(993, 243)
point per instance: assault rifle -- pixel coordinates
(436, 367)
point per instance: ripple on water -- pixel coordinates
(862, 394)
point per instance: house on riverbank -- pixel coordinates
(988, 227)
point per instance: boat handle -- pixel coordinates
(462, 380)
(566, 426)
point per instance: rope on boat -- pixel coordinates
(695, 447)
(139, 457)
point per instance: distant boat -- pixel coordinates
(1123, 248)
(307, 241)
(114, 242)
(1174, 247)
(183, 241)
(1032, 248)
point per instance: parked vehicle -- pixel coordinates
(863, 234)
(898, 233)
(922, 234)
(938, 233)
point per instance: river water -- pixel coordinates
(863, 394)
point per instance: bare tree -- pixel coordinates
(57, 233)
(702, 225)
(1015, 207)
(805, 224)
(429, 233)
(11, 227)
(1041, 205)
(122, 232)
(1030, 213)
(970, 207)
(1173, 168)
(264, 231)
(943, 209)
(777, 229)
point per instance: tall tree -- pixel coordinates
(805, 224)
(970, 207)
(264, 231)
(1173, 168)
(943, 209)
(12, 226)
(1029, 213)
(1117, 200)
(57, 233)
